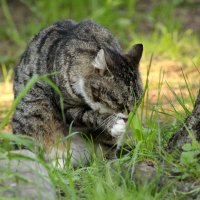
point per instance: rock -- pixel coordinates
(144, 172)
(25, 178)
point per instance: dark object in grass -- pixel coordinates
(192, 123)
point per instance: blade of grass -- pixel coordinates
(26, 89)
(188, 89)
(57, 90)
(15, 35)
(136, 107)
(179, 100)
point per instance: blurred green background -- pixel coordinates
(168, 28)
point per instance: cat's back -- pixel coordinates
(66, 32)
(44, 41)
(39, 52)
(62, 44)
(88, 30)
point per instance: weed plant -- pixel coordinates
(104, 179)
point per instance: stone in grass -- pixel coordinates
(25, 178)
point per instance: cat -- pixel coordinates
(100, 85)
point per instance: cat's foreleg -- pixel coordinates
(113, 124)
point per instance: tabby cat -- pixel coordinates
(99, 84)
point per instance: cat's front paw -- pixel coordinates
(119, 127)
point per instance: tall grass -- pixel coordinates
(114, 179)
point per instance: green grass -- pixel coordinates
(113, 179)
(166, 38)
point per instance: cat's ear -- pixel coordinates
(100, 62)
(135, 54)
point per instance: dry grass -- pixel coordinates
(6, 99)
(171, 73)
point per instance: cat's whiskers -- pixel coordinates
(105, 124)
(107, 121)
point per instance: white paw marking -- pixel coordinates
(119, 128)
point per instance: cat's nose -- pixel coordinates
(123, 116)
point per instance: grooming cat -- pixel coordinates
(98, 82)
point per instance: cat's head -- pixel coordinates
(115, 85)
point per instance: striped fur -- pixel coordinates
(93, 98)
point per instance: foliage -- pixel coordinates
(109, 179)
(104, 179)
(166, 38)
